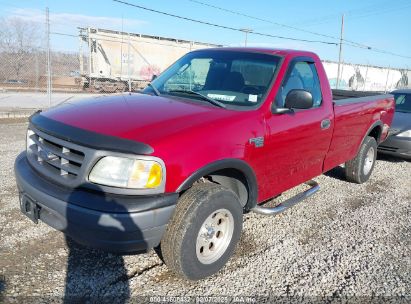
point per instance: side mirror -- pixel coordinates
(299, 99)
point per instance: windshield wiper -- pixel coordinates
(156, 91)
(204, 97)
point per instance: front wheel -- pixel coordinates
(359, 169)
(203, 231)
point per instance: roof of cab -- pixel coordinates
(273, 51)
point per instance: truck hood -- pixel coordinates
(137, 117)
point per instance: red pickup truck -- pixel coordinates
(175, 167)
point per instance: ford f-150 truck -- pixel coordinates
(174, 167)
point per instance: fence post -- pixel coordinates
(89, 56)
(80, 56)
(386, 82)
(128, 64)
(48, 56)
(365, 79)
(37, 70)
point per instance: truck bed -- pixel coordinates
(341, 97)
(354, 117)
(345, 94)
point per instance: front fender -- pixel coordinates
(230, 163)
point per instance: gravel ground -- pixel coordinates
(348, 240)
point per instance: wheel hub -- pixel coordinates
(369, 161)
(210, 233)
(214, 236)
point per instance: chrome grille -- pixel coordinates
(53, 156)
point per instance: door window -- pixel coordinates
(303, 76)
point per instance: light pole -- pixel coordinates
(246, 31)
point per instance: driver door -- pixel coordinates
(297, 143)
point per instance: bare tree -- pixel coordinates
(19, 40)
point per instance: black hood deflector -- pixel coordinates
(88, 138)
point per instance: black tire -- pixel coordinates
(179, 244)
(359, 169)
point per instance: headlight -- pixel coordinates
(405, 134)
(29, 141)
(127, 173)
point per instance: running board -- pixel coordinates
(290, 202)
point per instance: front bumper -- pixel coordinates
(113, 222)
(396, 146)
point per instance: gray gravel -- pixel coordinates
(348, 240)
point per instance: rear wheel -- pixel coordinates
(359, 169)
(203, 231)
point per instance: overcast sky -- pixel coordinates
(381, 24)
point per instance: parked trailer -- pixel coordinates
(121, 61)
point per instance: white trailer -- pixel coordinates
(120, 61)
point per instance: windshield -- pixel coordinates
(229, 77)
(403, 103)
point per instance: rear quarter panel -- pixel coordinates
(353, 120)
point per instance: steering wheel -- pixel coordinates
(251, 90)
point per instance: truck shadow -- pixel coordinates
(94, 275)
(337, 173)
(2, 286)
(391, 158)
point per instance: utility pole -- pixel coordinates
(246, 31)
(340, 53)
(48, 56)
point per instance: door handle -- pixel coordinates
(325, 124)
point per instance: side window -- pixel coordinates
(303, 76)
(399, 100)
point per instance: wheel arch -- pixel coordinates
(235, 174)
(375, 131)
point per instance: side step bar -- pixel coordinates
(290, 202)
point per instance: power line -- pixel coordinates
(347, 42)
(260, 19)
(64, 34)
(221, 26)
(356, 14)
(378, 12)
(271, 22)
(375, 8)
